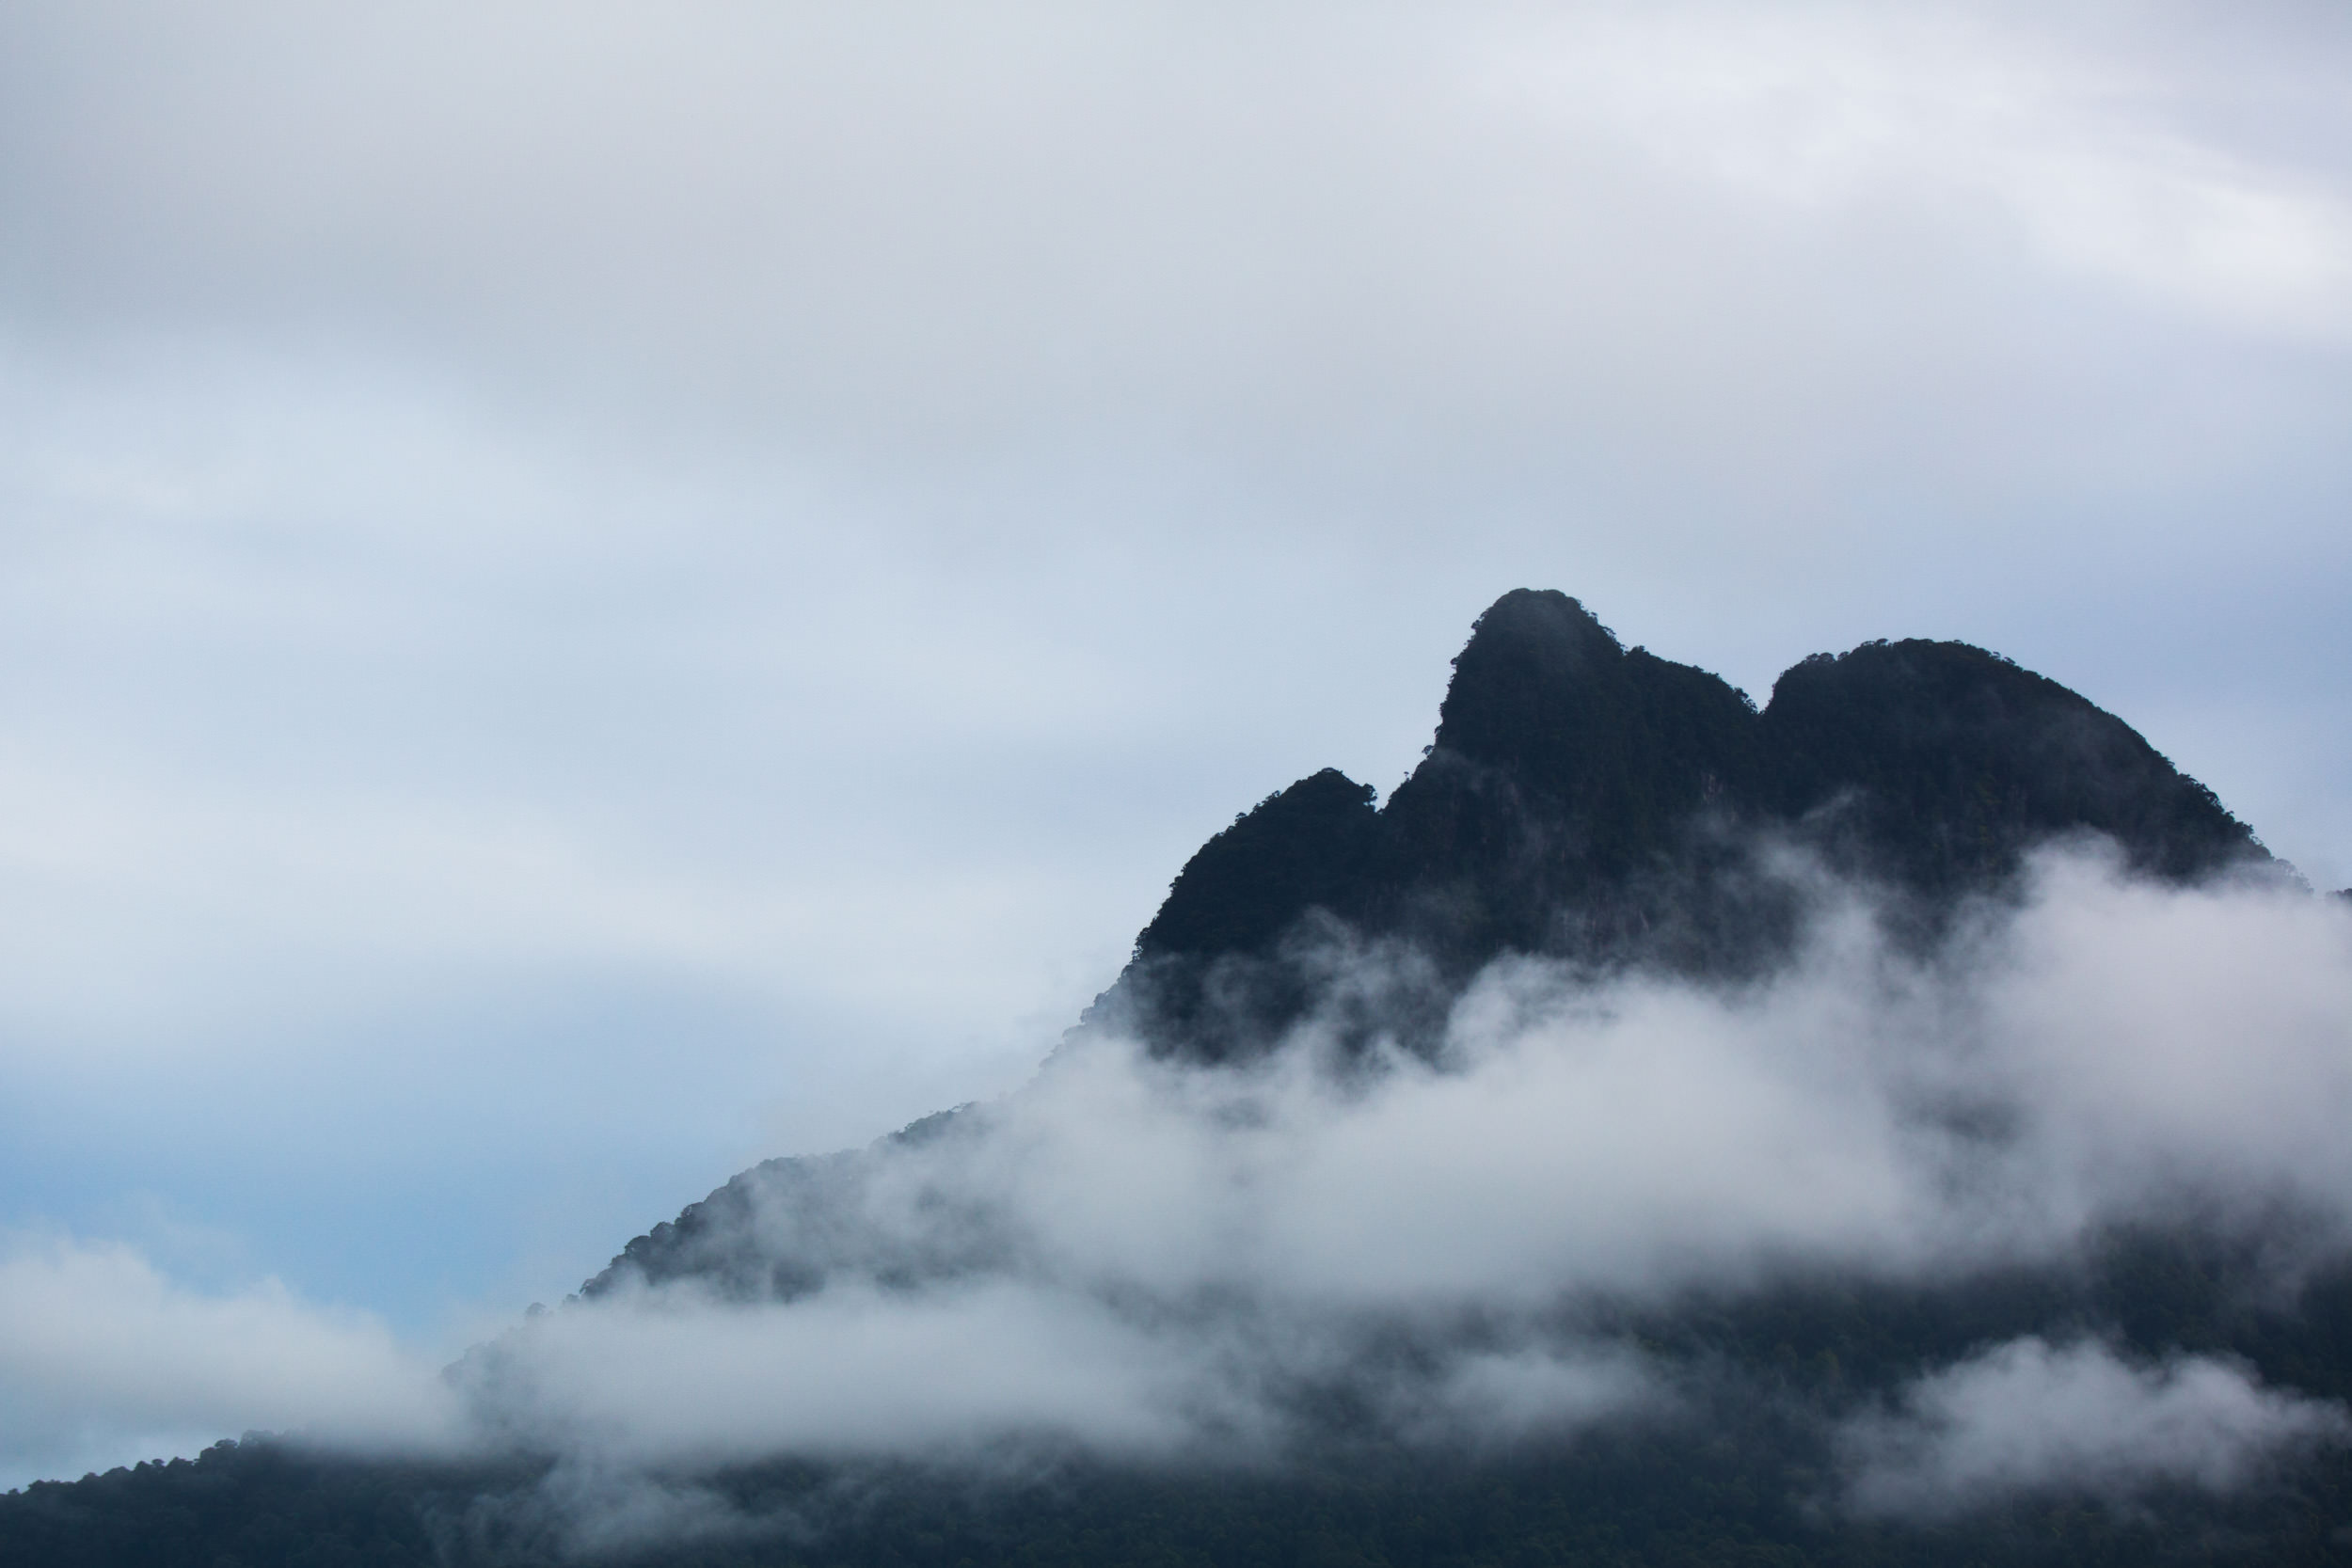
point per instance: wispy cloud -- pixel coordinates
(1156, 1262)
(1155, 1258)
(2029, 1417)
(106, 1361)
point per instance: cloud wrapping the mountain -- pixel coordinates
(2031, 1416)
(105, 1359)
(2168, 1044)
(1161, 1263)
(1152, 1260)
(676, 1378)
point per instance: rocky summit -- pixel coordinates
(1593, 802)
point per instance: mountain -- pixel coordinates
(1603, 818)
(1581, 800)
(1588, 801)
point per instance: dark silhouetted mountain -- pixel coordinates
(1580, 801)
(1952, 760)
(1315, 845)
(1591, 803)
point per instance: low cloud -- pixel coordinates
(676, 1378)
(1157, 1263)
(1149, 1259)
(2031, 1416)
(107, 1361)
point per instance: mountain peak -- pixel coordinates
(1299, 848)
(1532, 665)
(1588, 800)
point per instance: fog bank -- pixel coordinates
(1159, 1261)
(1160, 1264)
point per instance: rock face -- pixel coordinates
(1601, 804)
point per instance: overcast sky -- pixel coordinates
(593, 593)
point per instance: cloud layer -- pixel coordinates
(1155, 1261)
(106, 1361)
(2028, 1416)
(1158, 1263)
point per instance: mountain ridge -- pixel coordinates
(1567, 773)
(1587, 801)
